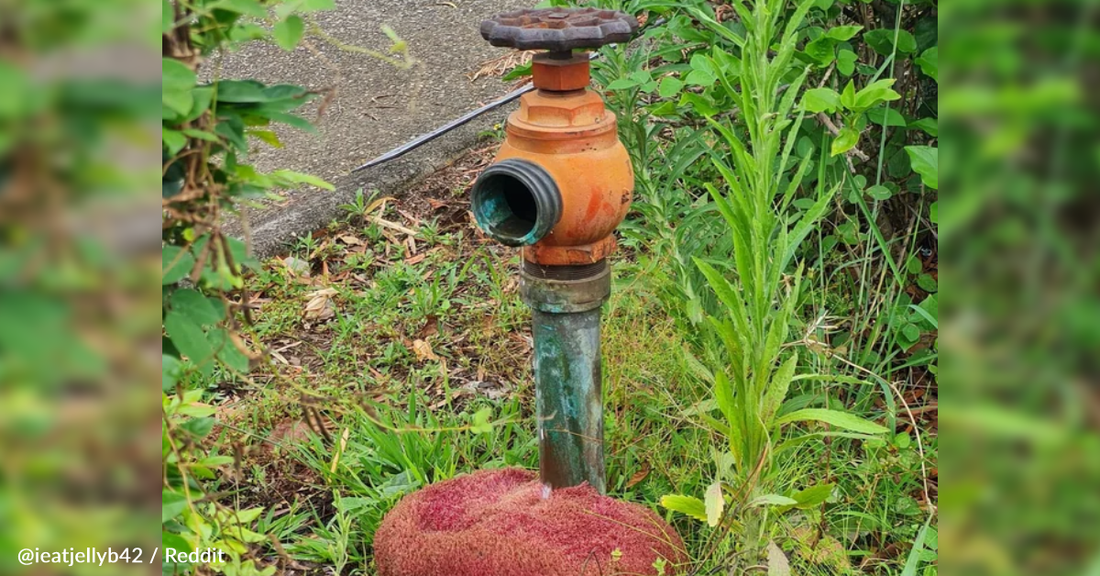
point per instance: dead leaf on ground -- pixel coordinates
(637, 477)
(430, 328)
(350, 240)
(424, 351)
(320, 305)
(289, 433)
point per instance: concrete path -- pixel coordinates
(376, 106)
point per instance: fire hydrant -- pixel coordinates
(559, 186)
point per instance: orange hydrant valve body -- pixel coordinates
(572, 136)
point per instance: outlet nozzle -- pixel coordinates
(516, 202)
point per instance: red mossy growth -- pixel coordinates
(505, 523)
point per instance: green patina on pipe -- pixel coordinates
(565, 304)
(568, 398)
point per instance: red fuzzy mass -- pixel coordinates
(502, 523)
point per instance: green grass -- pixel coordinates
(421, 370)
(408, 421)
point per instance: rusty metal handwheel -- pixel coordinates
(559, 29)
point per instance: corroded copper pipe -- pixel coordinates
(565, 302)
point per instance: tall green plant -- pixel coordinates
(753, 369)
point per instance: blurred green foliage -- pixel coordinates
(77, 331)
(1023, 157)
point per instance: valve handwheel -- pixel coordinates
(559, 29)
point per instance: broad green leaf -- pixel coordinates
(622, 84)
(688, 505)
(180, 102)
(175, 542)
(226, 351)
(199, 427)
(843, 33)
(517, 72)
(886, 117)
(201, 135)
(174, 141)
(267, 137)
(170, 372)
(822, 51)
(844, 141)
(480, 423)
(843, 420)
(235, 517)
(772, 500)
(167, 16)
(846, 61)
(176, 264)
(669, 87)
(929, 63)
(821, 100)
(715, 503)
(874, 94)
(176, 76)
(701, 104)
(241, 256)
(244, 32)
(700, 78)
(848, 96)
(172, 504)
(250, 91)
(292, 120)
(664, 108)
(177, 81)
(934, 212)
(812, 496)
(879, 192)
(641, 76)
(195, 306)
(187, 336)
(251, 8)
(911, 332)
(930, 126)
(202, 97)
(702, 63)
(926, 162)
(882, 41)
(288, 32)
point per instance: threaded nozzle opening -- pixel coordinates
(516, 202)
